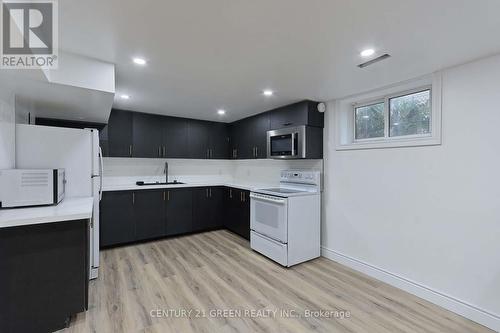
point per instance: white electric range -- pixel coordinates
(285, 222)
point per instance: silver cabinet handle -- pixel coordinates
(230, 193)
(210, 190)
(130, 150)
(267, 198)
(206, 190)
(256, 152)
(133, 198)
(164, 196)
(168, 195)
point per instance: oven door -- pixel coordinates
(269, 216)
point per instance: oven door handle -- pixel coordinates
(268, 198)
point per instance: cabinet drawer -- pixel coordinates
(270, 248)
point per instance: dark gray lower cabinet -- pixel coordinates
(128, 216)
(149, 214)
(178, 211)
(237, 211)
(117, 224)
(208, 207)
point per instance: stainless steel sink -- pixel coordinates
(141, 183)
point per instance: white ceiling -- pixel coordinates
(205, 55)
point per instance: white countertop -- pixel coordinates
(67, 210)
(240, 185)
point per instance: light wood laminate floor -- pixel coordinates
(139, 286)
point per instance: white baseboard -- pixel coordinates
(462, 308)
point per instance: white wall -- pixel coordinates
(263, 171)
(427, 219)
(7, 130)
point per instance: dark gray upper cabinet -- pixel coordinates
(218, 139)
(131, 134)
(198, 133)
(208, 139)
(178, 211)
(248, 137)
(259, 125)
(149, 214)
(175, 137)
(237, 138)
(120, 134)
(302, 113)
(147, 135)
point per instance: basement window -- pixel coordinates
(402, 115)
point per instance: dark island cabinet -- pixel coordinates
(117, 224)
(237, 211)
(178, 211)
(149, 214)
(44, 275)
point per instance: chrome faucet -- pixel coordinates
(166, 172)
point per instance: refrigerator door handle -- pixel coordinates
(102, 173)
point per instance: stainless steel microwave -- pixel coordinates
(287, 143)
(31, 187)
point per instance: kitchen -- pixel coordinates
(248, 174)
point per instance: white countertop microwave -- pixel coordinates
(31, 187)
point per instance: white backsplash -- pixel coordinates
(119, 171)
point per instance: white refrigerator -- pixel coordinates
(78, 152)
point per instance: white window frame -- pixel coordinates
(345, 116)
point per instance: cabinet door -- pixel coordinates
(243, 220)
(302, 113)
(117, 223)
(175, 138)
(231, 203)
(215, 207)
(147, 135)
(235, 137)
(149, 213)
(198, 133)
(219, 141)
(120, 134)
(259, 125)
(241, 139)
(201, 209)
(179, 211)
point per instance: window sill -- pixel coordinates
(392, 143)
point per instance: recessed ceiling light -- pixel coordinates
(139, 61)
(268, 92)
(124, 96)
(221, 112)
(367, 52)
